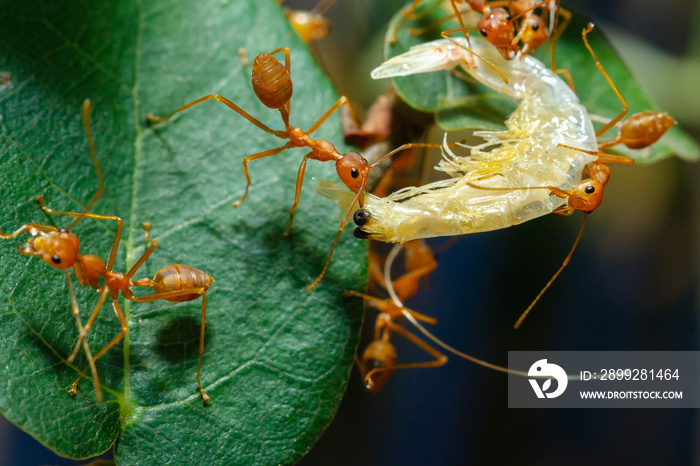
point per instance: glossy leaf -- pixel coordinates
(458, 104)
(277, 358)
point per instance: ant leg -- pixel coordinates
(117, 236)
(259, 155)
(603, 157)
(612, 122)
(333, 109)
(91, 144)
(117, 339)
(408, 14)
(438, 22)
(558, 29)
(340, 230)
(150, 118)
(86, 347)
(174, 294)
(556, 191)
(376, 302)
(440, 359)
(286, 56)
(146, 254)
(88, 325)
(406, 147)
(205, 397)
(565, 211)
(297, 192)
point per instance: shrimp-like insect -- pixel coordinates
(59, 247)
(378, 359)
(527, 153)
(549, 136)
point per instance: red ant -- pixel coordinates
(272, 84)
(641, 130)
(60, 249)
(379, 357)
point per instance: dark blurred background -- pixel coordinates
(632, 284)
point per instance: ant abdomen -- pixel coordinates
(177, 277)
(645, 128)
(271, 81)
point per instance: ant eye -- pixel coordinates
(354, 173)
(482, 32)
(535, 26)
(507, 16)
(590, 189)
(62, 230)
(56, 259)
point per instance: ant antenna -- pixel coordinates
(88, 134)
(566, 261)
(39, 203)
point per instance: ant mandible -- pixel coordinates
(60, 249)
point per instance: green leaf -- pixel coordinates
(277, 358)
(455, 107)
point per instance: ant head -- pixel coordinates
(271, 81)
(535, 33)
(497, 28)
(587, 195)
(380, 354)
(353, 170)
(59, 249)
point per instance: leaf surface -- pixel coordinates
(277, 358)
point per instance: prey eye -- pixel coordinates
(482, 32)
(354, 173)
(361, 217)
(55, 259)
(590, 189)
(535, 26)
